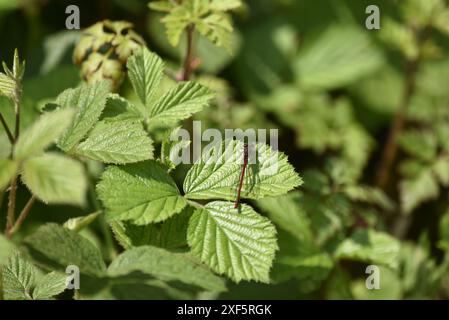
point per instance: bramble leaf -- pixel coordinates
(415, 191)
(181, 102)
(49, 286)
(324, 64)
(7, 170)
(237, 242)
(269, 174)
(7, 86)
(88, 101)
(19, 278)
(370, 246)
(145, 70)
(117, 142)
(43, 133)
(56, 179)
(166, 266)
(64, 247)
(208, 17)
(170, 234)
(143, 193)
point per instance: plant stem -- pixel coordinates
(7, 130)
(105, 229)
(10, 216)
(23, 215)
(17, 102)
(11, 206)
(188, 61)
(391, 147)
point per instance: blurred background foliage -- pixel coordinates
(333, 88)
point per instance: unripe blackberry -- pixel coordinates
(103, 50)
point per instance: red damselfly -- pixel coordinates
(242, 174)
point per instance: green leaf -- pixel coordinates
(415, 191)
(145, 70)
(118, 142)
(163, 5)
(18, 278)
(169, 234)
(55, 179)
(286, 212)
(43, 133)
(270, 175)
(7, 170)
(443, 232)
(166, 266)
(7, 86)
(89, 101)
(420, 144)
(370, 246)
(6, 249)
(399, 37)
(49, 286)
(64, 247)
(217, 27)
(143, 193)
(328, 64)
(237, 242)
(225, 5)
(119, 109)
(441, 170)
(209, 18)
(181, 102)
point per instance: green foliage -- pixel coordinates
(7, 170)
(166, 266)
(236, 242)
(64, 247)
(56, 179)
(117, 142)
(209, 17)
(370, 246)
(21, 281)
(270, 175)
(89, 102)
(96, 151)
(143, 193)
(43, 133)
(179, 103)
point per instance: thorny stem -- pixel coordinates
(391, 147)
(188, 61)
(13, 189)
(23, 215)
(7, 130)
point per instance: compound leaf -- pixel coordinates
(370, 246)
(43, 133)
(88, 101)
(55, 179)
(118, 142)
(181, 102)
(237, 242)
(65, 247)
(7, 170)
(166, 266)
(145, 70)
(143, 193)
(18, 278)
(216, 175)
(49, 286)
